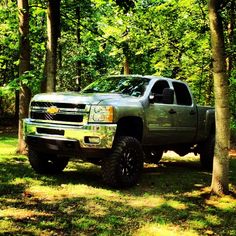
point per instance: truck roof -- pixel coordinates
(148, 77)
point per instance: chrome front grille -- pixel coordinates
(76, 114)
(59, 105)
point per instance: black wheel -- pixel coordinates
(153, 155)
(124, 166)
(47, 163)
(207, 153)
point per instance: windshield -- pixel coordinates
(128, 85)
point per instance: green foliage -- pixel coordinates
(7, 102)
(8, 42)
(29, 78)
(169, 38)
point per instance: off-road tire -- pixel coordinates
(207, 153)
(153, 155)
(124, 166)
(47, 163)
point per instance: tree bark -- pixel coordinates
(78, 63)
(220, 179)
(53, 31)
(232, 54)
(126, 51)
(231, 38)
(24, 65)
(126, 66)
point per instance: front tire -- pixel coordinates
(124, 166)
(207, 153)
(44, 163)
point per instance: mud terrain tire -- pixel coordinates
(124, 166)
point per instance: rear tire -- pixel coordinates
(45, 163)
(124, 166)
(207, 153)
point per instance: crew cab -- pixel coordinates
(118, 122)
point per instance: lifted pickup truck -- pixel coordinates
(118, 122)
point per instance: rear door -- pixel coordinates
(186, 114)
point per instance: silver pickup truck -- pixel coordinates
(118, 122)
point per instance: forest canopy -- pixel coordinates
(169, 38)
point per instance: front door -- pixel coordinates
(160, 119)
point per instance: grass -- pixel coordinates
(171, 199)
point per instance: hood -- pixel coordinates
(79, 98)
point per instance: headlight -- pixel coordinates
(101, 114)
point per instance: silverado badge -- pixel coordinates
(53, 110)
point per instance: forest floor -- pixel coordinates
(172, 198)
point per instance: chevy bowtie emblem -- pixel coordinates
(53, 110)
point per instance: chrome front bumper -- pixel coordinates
(97, 136)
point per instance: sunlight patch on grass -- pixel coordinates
(17, 213)
(173, 157)
(84, 223)
(152, 229)
(198, 192)
(149, 202)
(6, 226)
(223, 203)
(26, 181)
(96, 209)
(51, 193)
(213, 219)
(7, 150)
(154, 201)
(176, 204)
(8, 145)
(198, 223)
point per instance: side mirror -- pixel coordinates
(168, 96)
(151, 98)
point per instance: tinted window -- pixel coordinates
(182, 94)
(157, 90)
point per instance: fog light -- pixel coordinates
(92, 140)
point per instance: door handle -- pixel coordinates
(172, 111)
(192, 112)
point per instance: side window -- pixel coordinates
(182, 94)
(157, 90)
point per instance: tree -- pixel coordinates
(220, 180)
(78, 34)
(24, 67)
(53, 31)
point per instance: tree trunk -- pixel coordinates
(220, 180)
(231, 38)
(126, 66)
(24, 65)
(53, 30)
(17, 106)
(126, 52)
(78, 63)
(231, 56)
